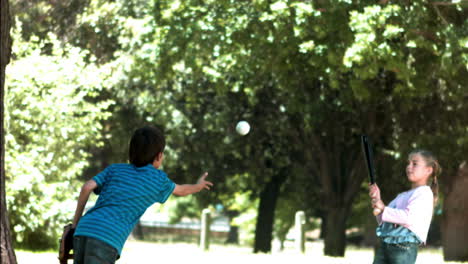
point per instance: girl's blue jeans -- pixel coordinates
(88, 250)
(403, 253)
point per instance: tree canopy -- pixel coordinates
(52, 118)
(309, 77)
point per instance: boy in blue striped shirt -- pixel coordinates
(125, 192)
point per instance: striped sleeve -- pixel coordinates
(101, 179)
(166, 189)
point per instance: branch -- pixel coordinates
(438, 11)
(444, 3)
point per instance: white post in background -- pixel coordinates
(300, 235)
(205, 230)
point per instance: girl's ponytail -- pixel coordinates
(435, 183)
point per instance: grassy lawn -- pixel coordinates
(136, 252)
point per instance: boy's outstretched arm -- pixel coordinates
(186, 189)
(86, 190)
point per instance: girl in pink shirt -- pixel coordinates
(404, 222)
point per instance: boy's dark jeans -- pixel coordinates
(88, 250)
(403, 253)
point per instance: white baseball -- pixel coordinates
(243, 128)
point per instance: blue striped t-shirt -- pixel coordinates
(125, 192)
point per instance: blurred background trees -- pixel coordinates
(309, 77)
(52, 118)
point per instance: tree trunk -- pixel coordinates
(266, 215)
(233, 235)
(6, 248)
(323, 225)
(335, 233)
(455, 213)
(370, 237)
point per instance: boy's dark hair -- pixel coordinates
(146, 143)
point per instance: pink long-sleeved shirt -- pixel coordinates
(411, 209)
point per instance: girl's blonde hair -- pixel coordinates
(431, 161)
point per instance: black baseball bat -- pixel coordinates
(367, 149)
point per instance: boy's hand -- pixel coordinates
(204, 184)
(186, 189)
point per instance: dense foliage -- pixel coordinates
(309, 76)
(52, 119)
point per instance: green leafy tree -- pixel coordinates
(309, 77)
(52, 118)
(428, 54)
(345, 68)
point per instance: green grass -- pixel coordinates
(136, 252)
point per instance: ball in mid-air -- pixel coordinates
(243, 128)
